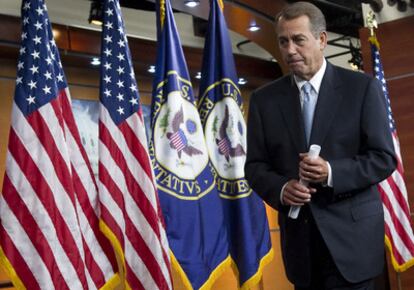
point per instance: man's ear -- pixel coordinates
(323, 40)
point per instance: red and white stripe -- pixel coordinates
(99, 257)
(398, 229)
(129, 202)
(48, 208)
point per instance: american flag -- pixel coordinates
(130, 208)
(49, 231)
(399, 236)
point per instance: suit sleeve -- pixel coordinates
(258, 168)
(375, 160)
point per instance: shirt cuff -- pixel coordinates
(329, 181)
(281, 193)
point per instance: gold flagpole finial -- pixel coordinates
(371, 23)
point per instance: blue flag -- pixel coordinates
(185, 178)
(220, 108)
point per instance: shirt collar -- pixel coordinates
(315, 81)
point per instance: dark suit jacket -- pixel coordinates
(351, 125)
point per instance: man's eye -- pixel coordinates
(299, 40)
(282, 41)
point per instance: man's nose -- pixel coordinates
(291, 48)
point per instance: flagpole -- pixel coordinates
(399, 286)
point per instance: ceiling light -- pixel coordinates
(242, 81)
(56, 33)
(96, 13)
(192, 3)
(198, 75)
(356, 57)
(253, 27)
(353, 66)
(95, 61)
(151, 69)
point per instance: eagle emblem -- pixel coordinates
(178, 139)
(223, 141)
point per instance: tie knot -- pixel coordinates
(307, 87)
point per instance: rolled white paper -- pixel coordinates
(294, 210)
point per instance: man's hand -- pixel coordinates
(295, 193)
(313, 170)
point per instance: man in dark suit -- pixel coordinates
(337, 241)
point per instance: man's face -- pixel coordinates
(301, 51)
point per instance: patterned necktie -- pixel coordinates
(308, 108)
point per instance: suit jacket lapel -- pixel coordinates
(329, 99)
(292, 114)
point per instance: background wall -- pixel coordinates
(397, 55)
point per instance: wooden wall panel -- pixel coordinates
(7, 83)
(397, 55)
(401, 93)
(10, 30)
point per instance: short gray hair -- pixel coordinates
(316, 18)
